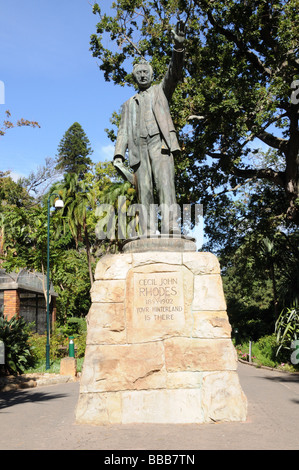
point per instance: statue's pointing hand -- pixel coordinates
(179, 35)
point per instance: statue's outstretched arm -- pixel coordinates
(175, 67)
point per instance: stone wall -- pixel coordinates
(159, 346)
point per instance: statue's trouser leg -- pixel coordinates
(143, 175)
(154, 163)
(163, 172)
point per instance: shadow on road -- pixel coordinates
(16, 397)
(292, 378)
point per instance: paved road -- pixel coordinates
(43, 418)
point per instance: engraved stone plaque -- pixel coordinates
(158, 300)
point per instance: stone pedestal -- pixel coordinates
(159, 346)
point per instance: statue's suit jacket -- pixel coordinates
(128, 137)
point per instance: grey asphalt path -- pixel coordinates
(43, 419)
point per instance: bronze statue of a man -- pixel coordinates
(146, 130)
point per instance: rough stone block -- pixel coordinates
(123, 367)
(99, 408)
(177, 406)
(108, 291)
(197, 354)
(68, 366)
(201, 263)
(106, 323)
(154, 257)
(185, 379)
(222, 397)
(111, 267)
(208, 293)
(211, 324)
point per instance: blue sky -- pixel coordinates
(51, 77)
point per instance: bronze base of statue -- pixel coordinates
(159, 242)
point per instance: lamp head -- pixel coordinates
(59, 204)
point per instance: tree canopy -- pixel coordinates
(73, 151)
(240, 64)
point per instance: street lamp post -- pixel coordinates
(58, 204)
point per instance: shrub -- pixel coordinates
(80, 343)
(77, 328)
(38, 345)
(14, 333)
(265, 350)
(74, 326)
(287, 328)
(264, 353)
(59, 341)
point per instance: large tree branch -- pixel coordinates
(235, 38)
(238, 186)
(277, 177)
(272, 141)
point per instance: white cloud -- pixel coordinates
(16, 176)
(107, 152)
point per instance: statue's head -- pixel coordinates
(143, 74)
